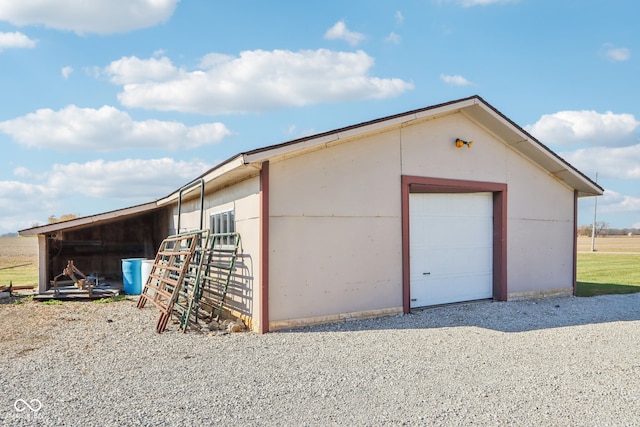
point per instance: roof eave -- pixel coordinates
(88, 220)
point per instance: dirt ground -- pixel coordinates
(23, 320)
(27, 325)
(18, 250)
(610, 244)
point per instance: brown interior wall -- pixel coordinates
(101, 248)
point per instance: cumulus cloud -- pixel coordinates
(66, 72)
(585, 127)
(96, 16)
(339, 31)
(620, 162)
(617, 54)
(124, 182)
(613, 202)
(23, 205)
(106, 129)
(456, 80)
(255, 81)
(129, 179)
(15, 40)
(128, 70)
(399, 17)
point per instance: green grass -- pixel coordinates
(20, 276)
(111, 299)
(600, 274)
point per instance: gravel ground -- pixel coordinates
(564, 361)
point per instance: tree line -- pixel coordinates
(603, 229)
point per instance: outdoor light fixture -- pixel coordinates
(460, 143)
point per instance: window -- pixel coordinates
(223, 222)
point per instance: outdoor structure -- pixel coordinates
(449, 203)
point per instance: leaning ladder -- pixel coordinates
(178, 260)
(205, 300)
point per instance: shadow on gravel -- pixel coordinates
(512, 316)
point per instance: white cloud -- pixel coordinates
(339, 31)
(19, 198)
(612, 201)
(618, 54)
(399, 17)
(124, 182)
(66, 72)
(106, 129)
(255, 81)
(95, 16)
(131, 70)
(620, 162)
(456, 80)
(586, 127)
(393, 38)
(130, 179)
(15, 40)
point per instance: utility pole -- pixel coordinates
(593, 229)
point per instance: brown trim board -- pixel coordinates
(575, 241)
(418, 184)
(264, 248)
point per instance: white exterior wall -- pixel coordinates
(540, 230)
(244, 199)
(336, 227)
(335, 230)
(540, 218)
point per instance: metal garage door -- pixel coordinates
(451, 247)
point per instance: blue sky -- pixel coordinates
(112, 103)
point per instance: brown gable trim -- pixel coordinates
(418, 184)
(359, 125)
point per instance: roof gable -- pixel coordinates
(475, 108)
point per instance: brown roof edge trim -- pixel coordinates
(359, 125)
(547, 149)
(90, 219)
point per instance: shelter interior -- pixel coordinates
(99, 249)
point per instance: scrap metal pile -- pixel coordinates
(190, 277)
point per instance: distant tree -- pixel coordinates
(584, 230)
(601, 228)
(66, 217)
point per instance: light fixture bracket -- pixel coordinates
(460, 143)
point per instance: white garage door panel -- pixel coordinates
(451, 247)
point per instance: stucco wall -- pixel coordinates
(540, 208)
(336, 225)
(540, 230)
(335, 230)
(244, 199)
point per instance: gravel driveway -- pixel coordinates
(564, 361)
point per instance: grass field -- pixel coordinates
(18, 261)
(613, 268)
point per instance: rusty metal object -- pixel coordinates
(72, 272)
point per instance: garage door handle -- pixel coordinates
(426, 273)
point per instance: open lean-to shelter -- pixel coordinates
(448, 203)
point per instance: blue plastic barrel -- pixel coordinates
(132, 275)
